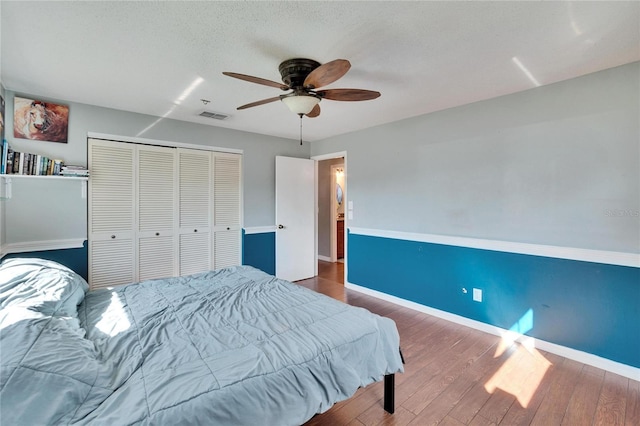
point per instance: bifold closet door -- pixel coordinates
(157, 201)
(227, 209)
(158, 212)
(111, 214)
(194, 176)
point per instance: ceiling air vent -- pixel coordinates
(214, 115)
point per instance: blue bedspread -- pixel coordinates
(228, 347)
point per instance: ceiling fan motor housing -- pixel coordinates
(294, 71)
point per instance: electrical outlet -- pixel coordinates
(477, 295)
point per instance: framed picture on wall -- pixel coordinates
(40, 121)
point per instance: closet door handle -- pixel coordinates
(113, 237)
(195, 230)
(157, 234)
(280, 226)
(228, 228)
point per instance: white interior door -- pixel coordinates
(295, 218)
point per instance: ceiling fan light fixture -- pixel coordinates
(300, 104)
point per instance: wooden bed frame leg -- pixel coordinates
(389, 393)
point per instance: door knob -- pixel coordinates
(280, 226)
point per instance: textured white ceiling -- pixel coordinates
(161, 58)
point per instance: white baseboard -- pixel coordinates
(576, 355)
(28, 246)
(324, 258)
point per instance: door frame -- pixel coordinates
(330, 156)
(334, 208)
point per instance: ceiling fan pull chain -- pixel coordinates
(300, 128)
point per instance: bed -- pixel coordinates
(233, 346)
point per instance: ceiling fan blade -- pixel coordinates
(314, 112)
(327, 73)
(262, 102)
(257, 80)
(348, 94)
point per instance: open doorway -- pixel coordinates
(337, 209)
(331, 218)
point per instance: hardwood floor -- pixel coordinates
(455, 375)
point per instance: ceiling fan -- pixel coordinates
(305, 78)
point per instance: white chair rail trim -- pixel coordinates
(28, 246)
(570, 253)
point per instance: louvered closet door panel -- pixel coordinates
(111, 188)
(111, 213)
(157, 200)
(156, 188)
(194, 188)
(226, 247)
(194, 211)
(227, 209)
(227, 190)
(194, 253)
(111, 263)
(156, 257)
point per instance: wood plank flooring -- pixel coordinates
(455, 375)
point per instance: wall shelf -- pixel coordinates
(8, 180)
(11, 176)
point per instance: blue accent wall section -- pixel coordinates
(259, 251)
(590, 307)
(76, 259)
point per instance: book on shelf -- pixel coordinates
(57, 165)
(25, 163)
(23, 160)
(5, 156)
(9, 162)
(16, 163)
(70, 170)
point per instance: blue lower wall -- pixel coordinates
(590, 307)
(76, 259)
(587, 306)
(259, 251)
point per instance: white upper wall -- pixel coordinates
(556, 165)
(259, 151)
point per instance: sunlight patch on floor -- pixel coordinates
(521, 374)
